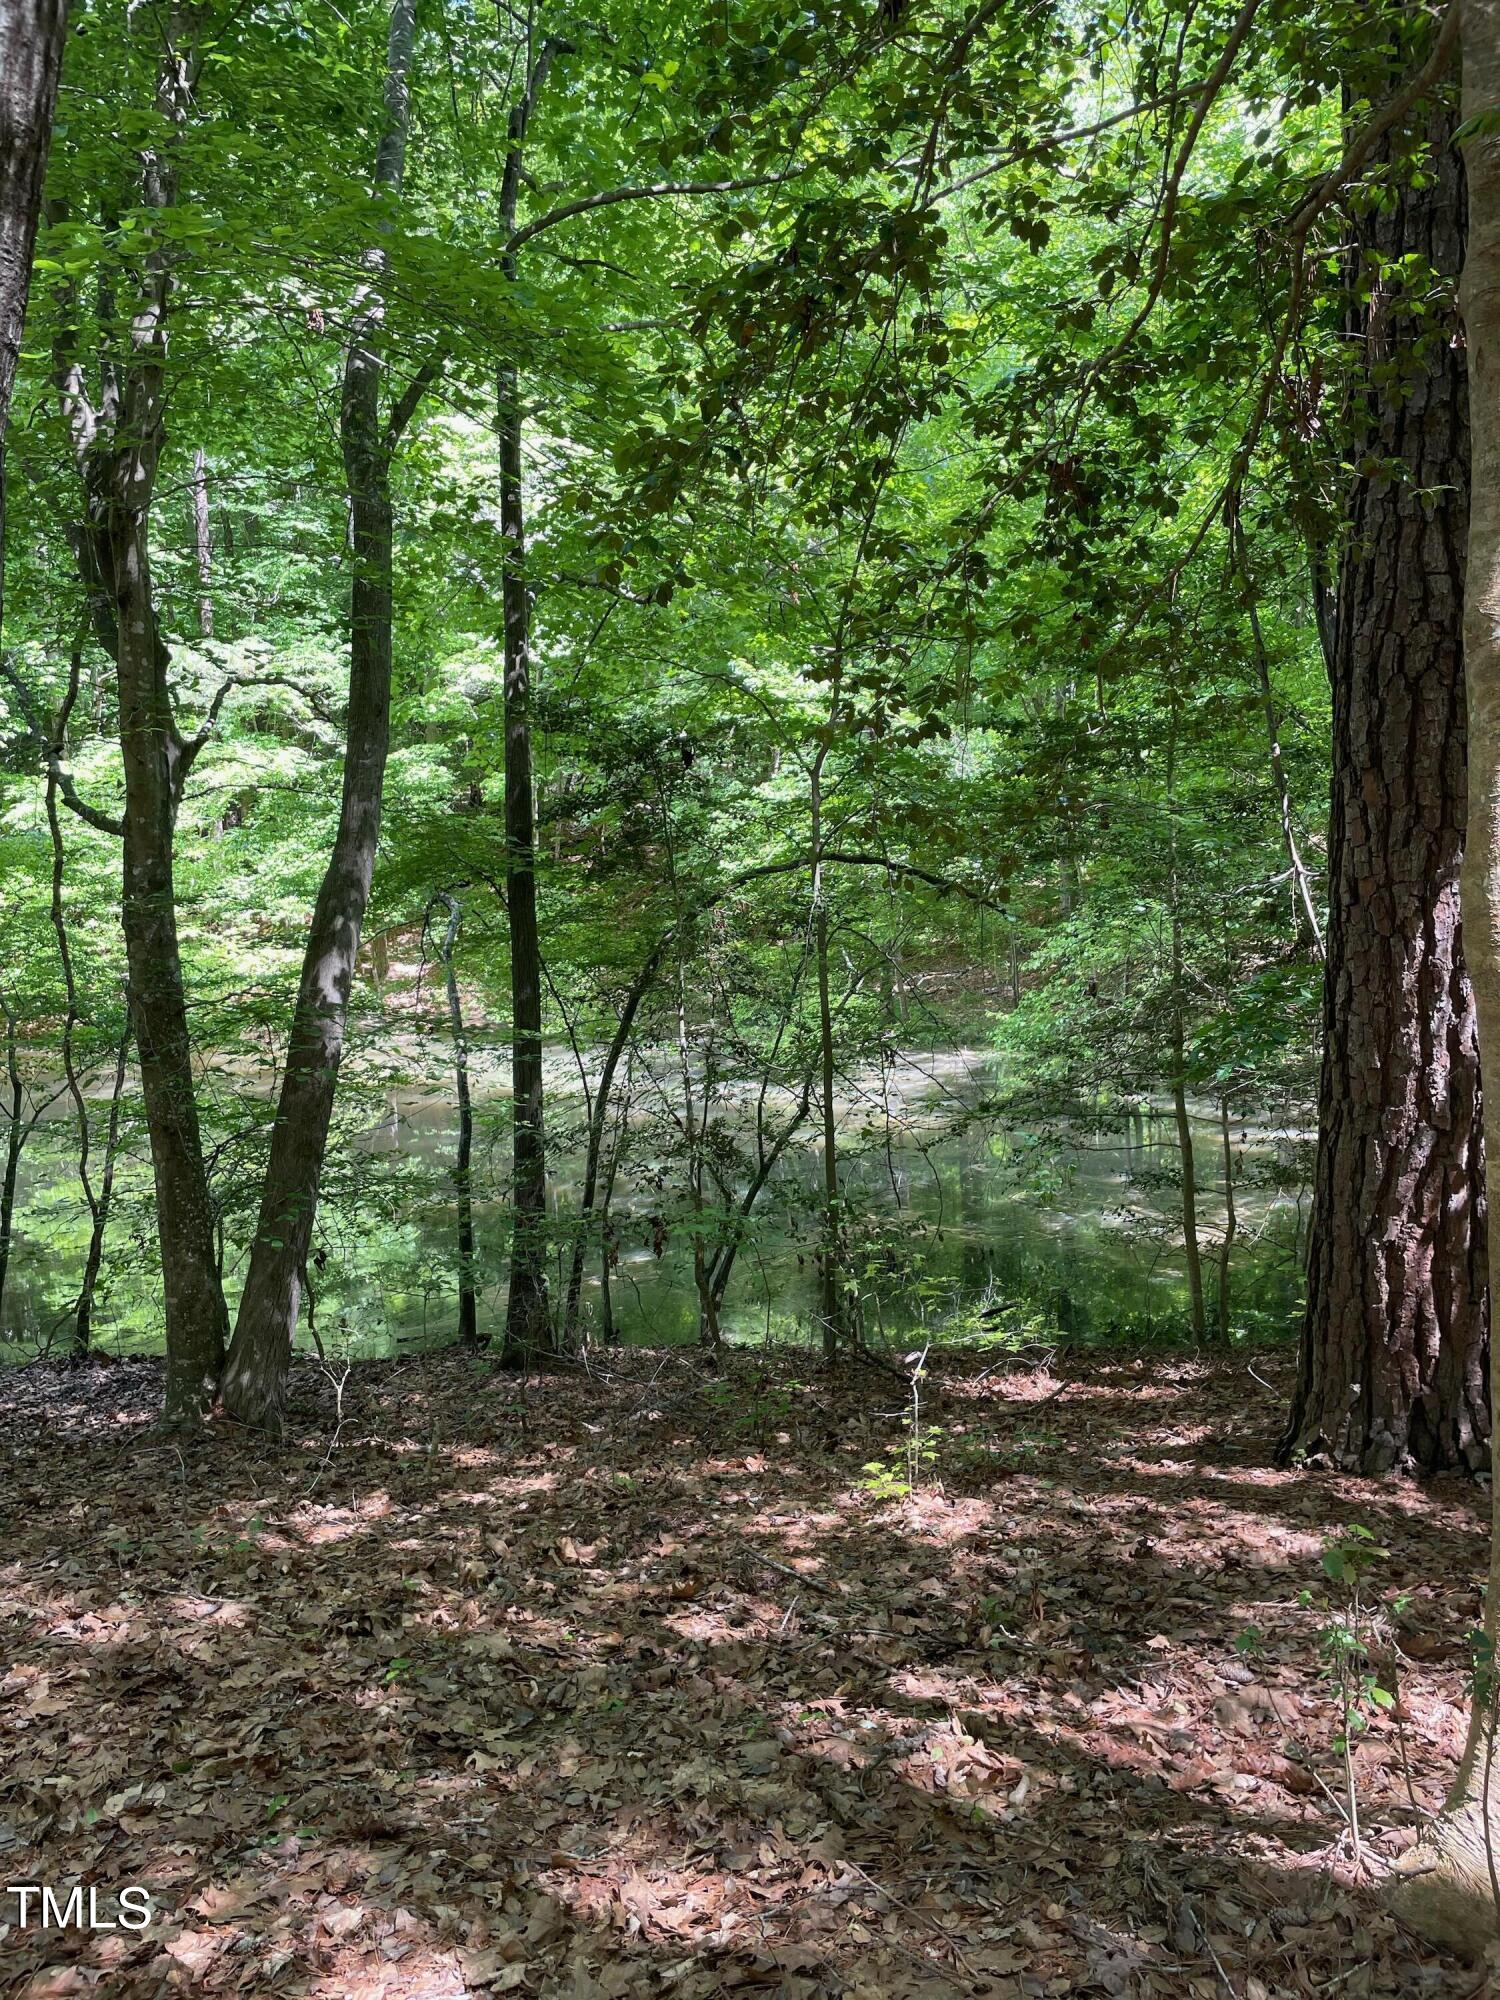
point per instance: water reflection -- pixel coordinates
(1068, 1225)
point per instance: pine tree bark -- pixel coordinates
(1444, 1886)
(254, 1379)
(1392, 1371)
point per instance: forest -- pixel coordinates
(749, 904)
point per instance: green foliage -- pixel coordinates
(848, 470)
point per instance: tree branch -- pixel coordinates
(654, 191)
(47, 741)
(405, 407)
(1206, 95)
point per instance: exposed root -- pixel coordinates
(1444, 1888)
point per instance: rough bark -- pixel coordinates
(1447, 1885)
(255, 1374)
(1393, 1349)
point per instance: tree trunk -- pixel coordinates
(1178, 1030)
(202, 546)
(83, 1311)
(255, 1375)
(830, 1254)
(14, 1140)
(708, 1316)
(528, 1328)
(31, 45)
(597, 1121)
(1231, 1222)
(528, 1324)
(152, 753)
(118, 450)
(1393, 1348)
(197, 1323)
(468, 1304)
(1447, 1885)
(1190, 1250)
(723, 1262)
(79, 1344)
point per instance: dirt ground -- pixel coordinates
(636, 1680)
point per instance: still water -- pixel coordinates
(960, 1220)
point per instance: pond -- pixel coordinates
(960, 1220)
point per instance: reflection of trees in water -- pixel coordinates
(1070, 1223)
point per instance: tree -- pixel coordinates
(528, 1327)
(31, 45)
(255, 1372)
(463, 1173)
(1392, 1371)
(1446, 1885)
(118, 441)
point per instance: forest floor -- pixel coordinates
(637, 1681)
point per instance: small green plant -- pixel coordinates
(1345, 1646)
(884, 1482)
(896, 1478)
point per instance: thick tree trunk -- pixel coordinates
(1448, 1886)
(1393, 1349)
(528, 1327)
(255, 1375)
